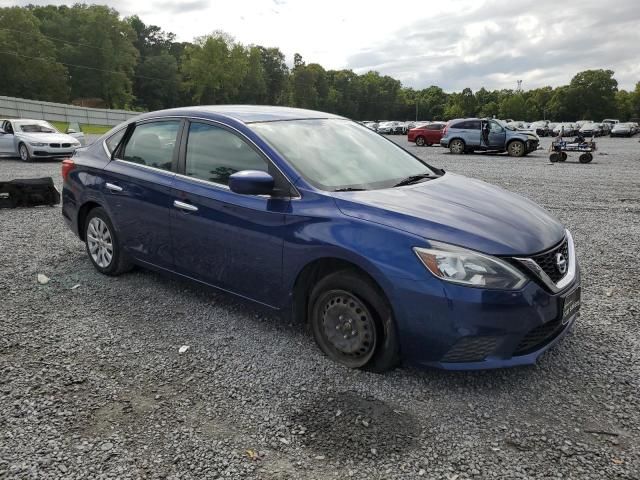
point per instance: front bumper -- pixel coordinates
(461, 328)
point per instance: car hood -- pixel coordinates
(47, 137)
(460, 211)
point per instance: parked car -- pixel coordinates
(541, 128)
(429, 134)
(384, 256)
(566, 129)
(591, 130)
(623, 130)
(611, 122)
(387, 128)
(32, 139)
(469, 134)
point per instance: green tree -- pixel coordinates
(158, 82)
(28, 65)
(98, 48)
(595, 90)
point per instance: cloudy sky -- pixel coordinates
(453, 44)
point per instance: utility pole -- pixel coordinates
(416, 109)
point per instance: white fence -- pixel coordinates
(11, 107)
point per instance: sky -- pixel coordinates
(453, 44)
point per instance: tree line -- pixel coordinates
(90, 55)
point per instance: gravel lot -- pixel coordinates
(92, 384)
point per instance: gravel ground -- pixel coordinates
(92, 384)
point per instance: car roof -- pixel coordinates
(245, 113)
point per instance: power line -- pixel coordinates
(55, 38)
(16, 54)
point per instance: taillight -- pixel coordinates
(67, 166)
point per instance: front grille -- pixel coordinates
(66, 145)
(539, 336)
(471, 349)
(54, 145)
(547, 261)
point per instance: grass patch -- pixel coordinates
(87, 129)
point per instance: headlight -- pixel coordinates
(466, 267)
(37, 144)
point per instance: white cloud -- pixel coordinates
(453, 44)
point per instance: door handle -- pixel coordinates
(113, 188)
(185, 206)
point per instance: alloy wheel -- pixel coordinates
(100, 242)
(457, 146)
(24, 153)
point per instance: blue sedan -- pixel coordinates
(385, 257)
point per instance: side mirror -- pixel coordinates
(71, 130)
(2, 132)
(251, 182)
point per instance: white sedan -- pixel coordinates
(32, 139)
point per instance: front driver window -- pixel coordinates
(214, 154)
(152, 144)
(495, 128)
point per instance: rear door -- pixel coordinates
(470, 132)
(223, 238)
(137, 189)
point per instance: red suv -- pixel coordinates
(428, 134)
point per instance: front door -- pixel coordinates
(137, 190)
(497, 136)
(7, 144)
(223, 238)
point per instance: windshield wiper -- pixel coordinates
(349, 189)
(413, 179)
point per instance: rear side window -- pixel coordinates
(435, 126)
(152, 144)
(468, 125)
(214, 154)
(113, 141)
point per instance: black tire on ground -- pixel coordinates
(563, 156)
(102, 244)
(23, 152)
(554, 157)
(457, 146)
(585, 158)
(352, 322)
(420, 141)
(516, 148)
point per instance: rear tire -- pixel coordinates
(554, 157)
(103, 246)
(585, 158)
(563, 156)
(457, 146)
(352, 322)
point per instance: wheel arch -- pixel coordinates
(82, 216)
(318, 268)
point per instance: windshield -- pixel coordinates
(34, 127)
(335, 154)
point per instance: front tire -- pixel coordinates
(352, 322)
(103, 247)
(420, 141)
(457, 147)
(516, 149)
(23, 151)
